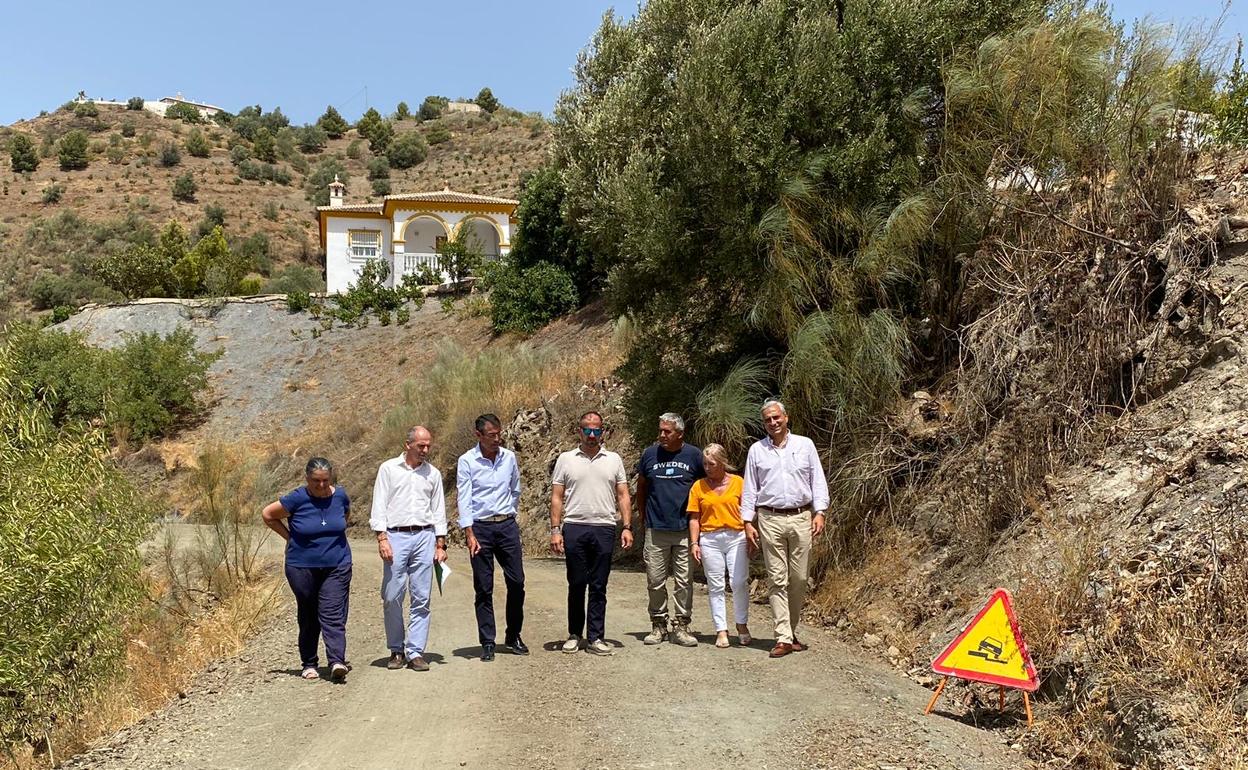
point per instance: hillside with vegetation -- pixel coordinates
(86, 182)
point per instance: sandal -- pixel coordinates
(310, 673)
(338, 673)
(743, 637)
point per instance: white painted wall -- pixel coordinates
(341, 269)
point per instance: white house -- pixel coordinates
(405, 231)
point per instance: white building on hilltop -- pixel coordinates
(405, 231)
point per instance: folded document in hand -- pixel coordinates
(440, 573)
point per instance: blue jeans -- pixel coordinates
(411, 571)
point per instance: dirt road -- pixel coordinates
(645, 707)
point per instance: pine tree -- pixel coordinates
(22, 154)
(332, 123)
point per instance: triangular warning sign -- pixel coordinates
(990, 649)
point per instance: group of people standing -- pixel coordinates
(695, 509)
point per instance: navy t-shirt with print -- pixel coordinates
(318, 529)
(669, 477)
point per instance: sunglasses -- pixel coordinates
(592, 431)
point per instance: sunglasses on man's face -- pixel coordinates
(592, 431)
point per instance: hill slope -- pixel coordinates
(125, 188)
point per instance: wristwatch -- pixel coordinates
(556, 530)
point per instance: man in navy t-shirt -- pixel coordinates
(665, 474)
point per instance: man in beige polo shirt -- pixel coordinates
(589, 488)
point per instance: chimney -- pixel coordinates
(336, 192)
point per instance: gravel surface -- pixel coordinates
(644, 707)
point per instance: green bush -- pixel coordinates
(312, 139)
(23, 156)
(70, 527)
(72, 151)
(298, 301)
(378, 167)
(197, 144)
(250, 285)
(402, 315)
(408, 150)
(332, 123)
(431, 108)
(381, 186)
(134, 103)
(137, 271)
(438, 135)
(458, 258)
(184, 188)
(402, 112)
(264, 147)
(355, 149)
(214, 216)
(486, 101)
(239, 154)
(184, 112)
(525, 300)
(317, 183)
(295, 278)
(128, 129)
(53, 193)
(86, 109)
(170, 155)
(49, 290)
(61, 313)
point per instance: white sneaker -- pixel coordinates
(599, 647)
(573, 644)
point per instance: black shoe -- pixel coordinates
(396, 661)
(518, 647)
(487, 652)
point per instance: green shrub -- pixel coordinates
(408, 150)
(298, 301)
(134, 103)
(402, 112)
(295, 278)
(438, 135)
(1230, 106)
(526, 300)
(431, 108)
(332, 123)
(381, 186)
(355, 149)
(61, 313)
(184, 188)
(270, 211)
(23, 156)
(317, 184)
(239, 154)
(486, 101)
(70, 526)
(86, 109)
(458, 258)
(312, 139)
(379, 167)
(197, 144)
(184, 112)
(49, 290)
(128, 129)
(72, 151)
(137, 271)
(250, 285)
(214, 216)
(402, 315)
(264, 147)
(53, 193)
(170, 155)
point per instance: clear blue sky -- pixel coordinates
(302, 56)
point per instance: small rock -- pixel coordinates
(871, 640)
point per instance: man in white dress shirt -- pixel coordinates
(783, 504)
(409, 520)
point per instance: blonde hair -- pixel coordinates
(720, 455)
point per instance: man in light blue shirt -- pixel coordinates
(487, 478)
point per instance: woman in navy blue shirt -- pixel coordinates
(313, 522)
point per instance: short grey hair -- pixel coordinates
(773, 402)
(411, 432)
(318, 464)
(673, 419)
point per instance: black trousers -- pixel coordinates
(321, 598)
(588, 552)
(498, 540)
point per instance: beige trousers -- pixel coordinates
(667, 555)
(785, 542)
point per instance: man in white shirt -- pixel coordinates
(783, 504)
(409, 520)
(589, 486)
(487, 479)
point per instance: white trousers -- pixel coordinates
(723, 552)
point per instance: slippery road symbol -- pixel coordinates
(990, 650)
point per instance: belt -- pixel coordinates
(782, 511)
(494, 519)
(410, 528)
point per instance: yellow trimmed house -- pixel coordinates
(405, 231)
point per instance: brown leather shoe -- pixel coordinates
(418, 664)
(781, 649)
(798, 646)
(396, 661)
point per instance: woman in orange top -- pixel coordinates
(717, 540)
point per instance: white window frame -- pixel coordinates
(364, 244)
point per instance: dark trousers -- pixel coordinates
(498, 540)
(321, 597)
(588, 552)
